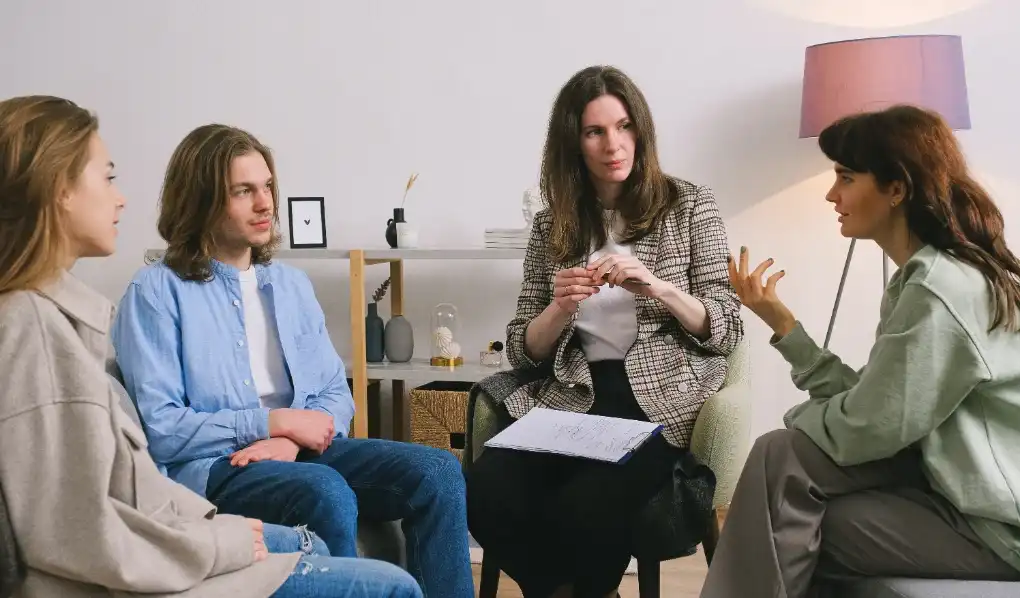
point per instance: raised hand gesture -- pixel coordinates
(760, 297)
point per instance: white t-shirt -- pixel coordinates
(607, 321)
(268, 367)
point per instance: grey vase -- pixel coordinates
(399, 340)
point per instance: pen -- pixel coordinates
(629, 280)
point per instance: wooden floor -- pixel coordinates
(681, 578)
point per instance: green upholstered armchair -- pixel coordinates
(721, 440)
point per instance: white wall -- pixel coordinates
(353, 99)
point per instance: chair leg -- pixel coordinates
(648, 578)
(490, 578)
(714, 529)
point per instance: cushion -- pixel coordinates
(921, 588)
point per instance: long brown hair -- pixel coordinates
(193, 200)
(44, 147)
(565, 182)
(945, 207)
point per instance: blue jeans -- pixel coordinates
(382, 480)
(319, 575)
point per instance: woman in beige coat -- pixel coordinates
(90, 512)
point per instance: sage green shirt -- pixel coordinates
(936, 377)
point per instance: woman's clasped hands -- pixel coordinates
(758, 296)
(571, 286)
(624, 270)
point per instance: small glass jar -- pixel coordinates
(493, 356)
(446, 351)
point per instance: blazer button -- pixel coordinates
(670, 339)
(682, 387)
(571, 385)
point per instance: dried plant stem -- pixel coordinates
(410, 183)
(381, 291)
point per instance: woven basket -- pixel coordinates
(439, 415)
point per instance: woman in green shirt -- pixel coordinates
(908, 466)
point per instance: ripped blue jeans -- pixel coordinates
(367, 478)
(319, 575)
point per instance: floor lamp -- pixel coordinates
(847, 77)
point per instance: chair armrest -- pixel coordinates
(722, 437)
(485, 419)
(381, 540)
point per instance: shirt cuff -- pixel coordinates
(517, 355)
(252, 426)
(716, 324)
(235, 544)
(797, 348)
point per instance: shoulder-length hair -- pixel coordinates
(648, 194)
(193, 200)
(44, 148)
(946, 208)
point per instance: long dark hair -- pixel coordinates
(565, 182)
(945, 207)
(192, 203)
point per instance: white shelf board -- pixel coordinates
(463, 253)
(419, 371)
(453, 253)
(313, 254)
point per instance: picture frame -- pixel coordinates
(306, 222)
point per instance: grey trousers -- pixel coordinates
(797, 518)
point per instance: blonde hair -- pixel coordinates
(44, 147)
(193, 201)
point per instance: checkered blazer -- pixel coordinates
(671, 372)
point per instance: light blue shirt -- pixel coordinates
(182, 349)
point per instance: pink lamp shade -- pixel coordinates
(847, 77)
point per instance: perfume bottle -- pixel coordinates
(493, 356)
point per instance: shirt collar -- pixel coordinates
(79, 302)
(262, 272)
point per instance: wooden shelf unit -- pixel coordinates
(417, 370)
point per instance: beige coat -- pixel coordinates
(91, 513)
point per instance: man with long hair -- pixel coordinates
(241, 391)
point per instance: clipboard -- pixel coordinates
(580, 435)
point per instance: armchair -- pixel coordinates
(721, 440)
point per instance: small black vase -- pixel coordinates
(391, 226)
(374, 331)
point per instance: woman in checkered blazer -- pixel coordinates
(625, 310)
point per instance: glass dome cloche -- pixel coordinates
(446, 350)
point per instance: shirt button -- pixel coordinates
(240, 343)
(571, 385)
(247, 382)
(236, 303)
